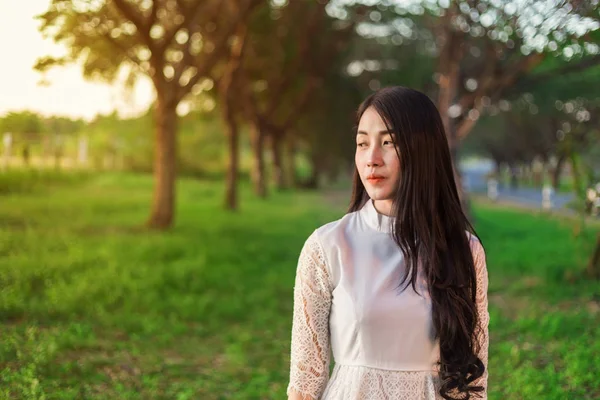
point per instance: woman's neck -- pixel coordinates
(383, 207)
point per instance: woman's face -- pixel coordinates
(376, 159)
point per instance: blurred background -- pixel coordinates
(163, 161)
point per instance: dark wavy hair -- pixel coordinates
(431, 230)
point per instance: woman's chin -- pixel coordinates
(378, 194)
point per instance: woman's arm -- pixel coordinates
(482, 334)
(309, 364)
(297, 396)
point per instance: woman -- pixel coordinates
(401, 327)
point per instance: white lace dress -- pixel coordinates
(346, 302)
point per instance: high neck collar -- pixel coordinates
(376, 220)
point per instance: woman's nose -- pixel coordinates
(374, 158)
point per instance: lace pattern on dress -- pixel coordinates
(309, 366)
(482, 333)
(358, 382)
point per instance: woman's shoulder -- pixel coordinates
(334, 229)
(325, 239)
(474, 242)
(472, 238)
(328, 235)
(477, 251)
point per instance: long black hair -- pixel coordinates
(431, 230)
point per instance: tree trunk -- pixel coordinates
(577, 175)
(497, 168)
(257, 137)
(57, 158)
(26, 155)
(449, 70)
(560, 162)
(278, 167)
(514, 177)
(315, 174)
(292, 177)
(231, 130)
(594, 264)
(165, 156)
(463, 196)
(449, 73)
(577, 188)
(228, 95)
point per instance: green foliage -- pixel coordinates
(203, 146)
(93, 306)
(87, 33)
(127, 144)
(562, 87)
(127, 141)
(32, 181)
(25, 122)
(29, 125)
(42, 136)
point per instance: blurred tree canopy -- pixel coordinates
(25, 122)
(176, 43)
(292, 87)
(478, 49)
(260, 67)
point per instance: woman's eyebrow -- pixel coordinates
(384, 132)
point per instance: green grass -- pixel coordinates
(28, 180)
(94, 306)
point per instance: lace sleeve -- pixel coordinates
(309, 366)
(482, 333)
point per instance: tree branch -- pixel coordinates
(220, 47)
(226, 84)
(136, 18)
(119, 46)
(153, 12)
(501, 83)
(292, 72)
(189, 16)
(486, 79)
(301, 103)
(188, 58)
(582, 65)
(125, 51)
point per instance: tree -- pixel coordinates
(26, 126)
(286, 63)
(175, 43)
(567, 129)
(29, 127)
(326, 131)
(227, 91)
(483, 48)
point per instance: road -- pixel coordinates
(474, 181)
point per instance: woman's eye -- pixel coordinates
(388, 142)
(361, 144)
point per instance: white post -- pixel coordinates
(82, 153)
(593, 198)
(547, 192)
(596, 204)
(492, 189)
(58, 149)
(6, 151)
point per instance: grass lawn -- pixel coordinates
(92, 306)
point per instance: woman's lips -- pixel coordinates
(375, 178)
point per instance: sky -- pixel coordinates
(68, 93)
